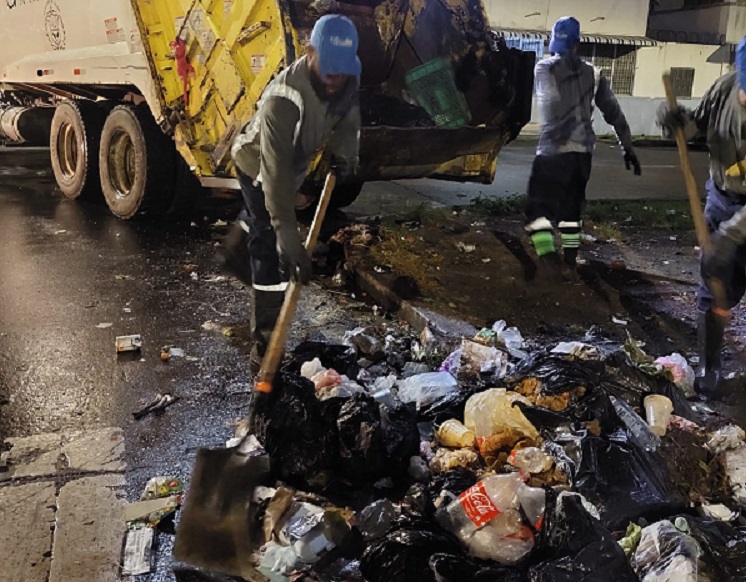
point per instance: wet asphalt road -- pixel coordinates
(68, 267)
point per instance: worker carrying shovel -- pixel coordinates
(566, 89)
(311, 105)
(721, 117)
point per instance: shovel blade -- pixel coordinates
(216, 530)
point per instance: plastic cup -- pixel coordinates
(658, 410)
(454, 434)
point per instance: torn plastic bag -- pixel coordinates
(575, 547)
(403, 554)
(376, 519)
(624, 480)
(426, 388)
(559, 373)
(625, 381)
(402, 437)
(450, 568)
(455, 482)
(451, 405)
(664, 554)
(298, 437)
(724, 546)
(341, 358)
(362, 446)
(416, 502)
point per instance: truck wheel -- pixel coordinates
(136, 163)
(74, 146)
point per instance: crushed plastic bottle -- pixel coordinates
(480, 504)
(531, 460)
(533, 501)
(639, 429)
(455, 435)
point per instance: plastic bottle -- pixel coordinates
(454, 434)
(480, 504)
(639, 429)
(533, 501)
(531, 460)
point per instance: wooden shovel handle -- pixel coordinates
(700, 226)
(273, 355)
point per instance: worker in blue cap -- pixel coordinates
(567, 88)
(310, 106)
(721, 118)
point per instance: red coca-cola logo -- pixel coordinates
(478, 506)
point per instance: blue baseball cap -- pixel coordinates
(565, 34)
(741, 63)
(335, 39)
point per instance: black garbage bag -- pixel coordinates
(624, 480)
(341, 358)
(614, 470)
(455, 482)
(724, 546)
(450, 406)
(575, 547)
(559, 373)
(627, 382)
(402, 437)
(416, 503)
(362, 445)
(403, 554)
(300, 442)
(457, 568)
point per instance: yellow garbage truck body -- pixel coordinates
(116, 83)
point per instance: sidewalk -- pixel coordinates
(61, 507)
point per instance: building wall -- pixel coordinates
(652, 62)
(718, 24)
(612, 17)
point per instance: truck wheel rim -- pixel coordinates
(68, 151)
(122, 163)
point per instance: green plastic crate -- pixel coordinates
(433, 86)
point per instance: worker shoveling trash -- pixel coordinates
(576, 462)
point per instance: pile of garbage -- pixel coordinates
(573, 462)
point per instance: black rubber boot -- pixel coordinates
(550, 268)
(234, 256)
(570, 265)
(710, 334)
(265, 309)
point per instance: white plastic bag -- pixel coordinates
(683, 373)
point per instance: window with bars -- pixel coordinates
(616, 62)
(682, 80)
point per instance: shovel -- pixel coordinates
(217, 531)
(700, 226)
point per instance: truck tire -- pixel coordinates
(136, 163)
(74, 141)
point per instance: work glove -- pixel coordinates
(718, 262)
(343, 168)
(294, 258)
(631, 161)
(672, 119)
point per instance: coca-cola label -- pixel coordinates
(478, 505)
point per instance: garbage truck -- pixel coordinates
(135, 98)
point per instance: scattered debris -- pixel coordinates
(158, 405)
(138, 552)
(618, 321)
(465, 248)
(104, 325)
(128, 343)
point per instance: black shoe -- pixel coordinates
(710, 333)
(550, 268)
(234, 256)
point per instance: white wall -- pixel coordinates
(612, 17)
(652, 62)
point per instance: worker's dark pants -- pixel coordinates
(556, 196)
(722, 206)
(269, 284)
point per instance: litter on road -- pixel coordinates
(570, 462)
(128, 343)
(156, 406)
